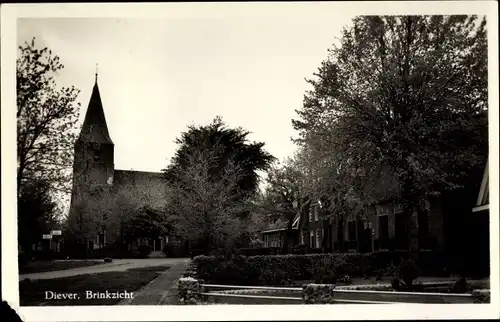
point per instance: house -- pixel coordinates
(103, 195)
(477, 249)
(483, 199)
(441, 223)
(315, 232)
(274, 233)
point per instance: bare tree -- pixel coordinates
(46, 119)
(207, 208)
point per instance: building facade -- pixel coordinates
(104, 198)
(275, 233)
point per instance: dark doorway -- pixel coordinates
(364, 238)
(157, 245)
(401, 230)
(383, 232)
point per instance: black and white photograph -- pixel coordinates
(227, 155)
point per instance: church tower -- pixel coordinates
(94, 150)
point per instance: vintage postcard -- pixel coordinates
(255, 161)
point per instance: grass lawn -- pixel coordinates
(33, 292)
(49, 266)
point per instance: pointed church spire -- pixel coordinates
(94, 128)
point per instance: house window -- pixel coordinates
(382, 210)
(311, 234)
(317, 238)
(316, 217)
(101, 240)
(351, 228)
(302, 237)
(310, 215)
(398, 208)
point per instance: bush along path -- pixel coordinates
(160, 291)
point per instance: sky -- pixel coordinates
(157, 76)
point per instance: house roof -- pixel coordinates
(483, 198)
(94, 128)
(281, 224)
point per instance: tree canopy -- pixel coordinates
(46, 119)
(206, 208)
(37, 213)
(232, 146)
(406, 92)
(399, 105)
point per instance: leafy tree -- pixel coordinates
(335, 185)
(36, 213)
(147, 223)
(46, 118)
(233, 147)
(404, 92)
(281, 196)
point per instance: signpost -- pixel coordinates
(46, 236)
(56, 233)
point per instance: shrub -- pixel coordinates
(325, 275)
(396, 284)
(256, 243)
(22, 259)
(274, 277)
(300, 249)
(258, 251)
(408, 271)
(174, 249)
(389, 270)
(345, 279)
(460, 286)
(145, 250)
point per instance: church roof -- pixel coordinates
(94, 127)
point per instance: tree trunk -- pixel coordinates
(341, 235)
(288, 235)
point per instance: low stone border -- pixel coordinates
(481, 296)
(318, 293)
(189, 291)
(190, 270)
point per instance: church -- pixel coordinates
(104, 198)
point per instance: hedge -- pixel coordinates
(278, 269)
(282, 269)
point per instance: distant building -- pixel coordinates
(104, 197)
(273, 235)
(455, 223)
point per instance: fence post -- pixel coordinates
(481, 296)
(189, 290)
(318, 293)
